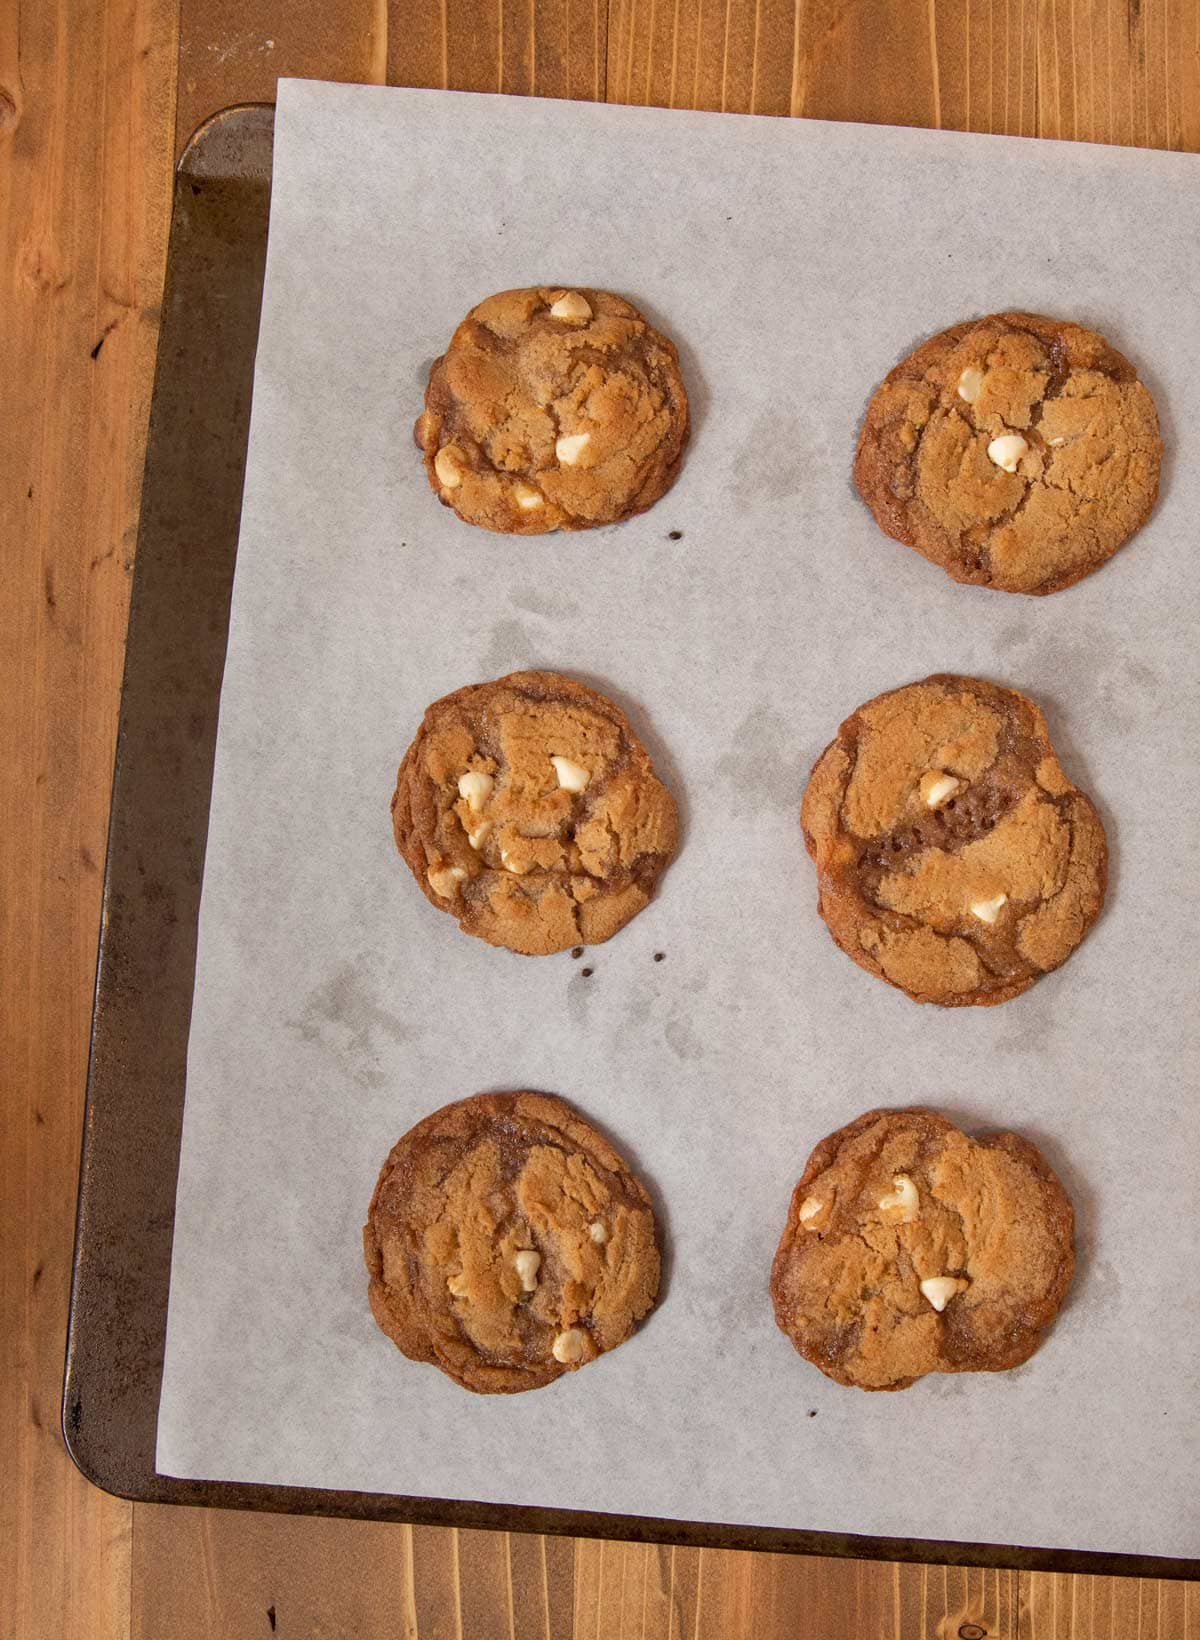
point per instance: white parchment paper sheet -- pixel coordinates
(794, 263)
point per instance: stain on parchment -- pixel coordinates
(540, 601)
(577, 1000)
(509, 650)
(1092, 670)
(682, 1039)
(345, 1018)
(784, 452)
(762, 766)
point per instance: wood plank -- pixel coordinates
(1123, 71)
(436, 1572)
(644, 1592)
(234, 51)
(528, 1586)
(589, 1565)
(967, 66)
(559, 1558)
(618, 1597)
(86, 110)
(208, 1572)
(1055, 1607)
(200, 1574)
(542, 48)
(487, 1602)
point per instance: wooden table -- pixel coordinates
(96, 99)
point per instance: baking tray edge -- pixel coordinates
(178, 623)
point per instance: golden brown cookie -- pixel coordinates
(529, 810)
(1017, 452)
(954, 857)
(508, 1243)
(910, 1248)
(553, 409)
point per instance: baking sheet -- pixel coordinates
(794, 263)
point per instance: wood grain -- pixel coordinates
(86, 116)
(1055, 1607)
(199, 1573)
(1126, 73)
(233, 51)
(88, 128)
(958, 64)
(209, 1573)
(537, 48)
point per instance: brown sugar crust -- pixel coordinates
(522, 861)
(1087, 479)
(529, 369)
(462, 1197)
(901, 1196)
(954, 858)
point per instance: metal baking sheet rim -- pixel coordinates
(141, 1010)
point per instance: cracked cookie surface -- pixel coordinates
(910, 1248)
(1017, 452)
(508, 1243)
(954, 857)
(553, 408)
(529, 810)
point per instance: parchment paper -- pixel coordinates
(794, 263)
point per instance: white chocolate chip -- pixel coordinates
(568, 448)
(528, 1264)
(572, 777)
(1056, 442)
(936, 788)
(475, 788)
(1007, 450)
(571, 305)
(517, 867)
(970, 383)
(569, 1346)
(458, 1286)
(939, 1290)
(902, 1204)
(811, 1208)
(444, 881)
(597, 1232)
(447, 466)
(480, 834)
(528, 497)
(988, 910)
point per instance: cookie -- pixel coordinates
(553, 409)
(1017, 452)
(954, 857)
(529, 810)
(508, 1243)
(910, 1248)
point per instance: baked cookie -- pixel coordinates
(508, 1243)
(954, 857)
(1017, 452)
(553, 409)
(529, 809)
(910, 1248)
